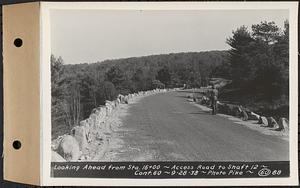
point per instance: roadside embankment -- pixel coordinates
(244, 116)
(90, 140)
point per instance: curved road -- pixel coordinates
(166, 127)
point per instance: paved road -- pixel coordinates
(167, 127)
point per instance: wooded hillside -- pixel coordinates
(77, 89)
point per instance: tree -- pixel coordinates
(259, 64)
(57, 78)
(57, 94)
(139, 79)
(72, 101)
(195, 79)
(266, 32)
(270, 40)
(281, 59)
(115, 76)
(108, 91)
(240, 44)
(156, 84)
(164, 76)
(175, 80)
(128, 86)
(87, 89)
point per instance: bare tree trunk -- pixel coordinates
(78, 109)
(94, 97)
(74, 109)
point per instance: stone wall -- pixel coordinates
(89, 140)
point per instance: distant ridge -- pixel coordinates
(214, 57)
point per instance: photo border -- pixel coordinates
(45, 87)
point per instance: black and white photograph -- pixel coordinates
(170, 86)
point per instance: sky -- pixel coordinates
(88, 36)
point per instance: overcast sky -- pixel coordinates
(87, 36)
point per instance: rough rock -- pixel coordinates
(195, 99)
(103, 113)
(116, 104)
(108, 109)
(272, 122)
(89, 122)
(95, 120)
(84, 123)
(263, 120)
(237, 111)
(108, 103)
(283, 124)
(205, 100)
(253, 116)
(56, 142)
(244, 115)
(82, 135)
(69, 148)
(126, 101)
(55, 157)
(189, 96)
(122, 99)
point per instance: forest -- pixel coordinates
(257, 64)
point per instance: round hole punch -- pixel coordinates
(17, 144)
(18, 42)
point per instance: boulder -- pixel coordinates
(205, 100)
(116, 103)
(93, 118)
(82, 135)
(237, 111)
(84, 123)
(102, 114)
(195, 99)
(56, 142)
(109, 103)
(85, 158)
(263, 120)
(90, 122)
(69, 148)
(55, 157)
(253, 116)
(272, 122)
(283, 124)
(122, 99)
(108, 109)
(99, 136)
(244, 115)
(126, 99)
